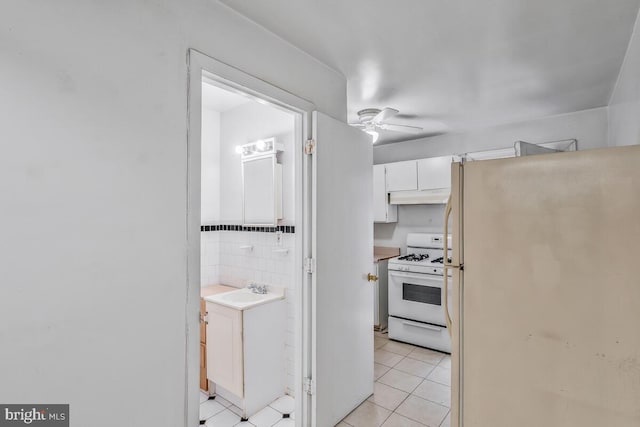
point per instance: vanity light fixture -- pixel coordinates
(260, 147)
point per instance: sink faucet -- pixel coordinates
(258, 289)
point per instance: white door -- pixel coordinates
(342, 239)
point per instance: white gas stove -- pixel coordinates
(416, 298)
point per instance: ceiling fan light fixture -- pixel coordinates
(374, 135)
(371, 120)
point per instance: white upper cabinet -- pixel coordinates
(402, 176)
(382, 210)
(434, 173)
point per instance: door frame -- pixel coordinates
(228, 77)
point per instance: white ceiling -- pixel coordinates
(220, 100)
(455, 65)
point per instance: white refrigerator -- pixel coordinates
(546, 290)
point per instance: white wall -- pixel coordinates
(243, 124)
(411, 219)
(624, 107)
(210, 169)
(589, 127)
(93, 179)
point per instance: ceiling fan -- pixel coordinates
(373, 119)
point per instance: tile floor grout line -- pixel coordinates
(403, 400)
(445, 417)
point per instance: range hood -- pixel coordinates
(436, 196)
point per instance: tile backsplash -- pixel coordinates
(233, 257)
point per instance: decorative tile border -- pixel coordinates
(232, 227)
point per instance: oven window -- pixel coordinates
(423, 294)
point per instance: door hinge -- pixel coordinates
(310, 147)
(309, 386)
(309, 265)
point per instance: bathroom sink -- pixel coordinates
(244, 298)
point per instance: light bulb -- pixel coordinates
(261, 145)
(374, 135)
(239, 149)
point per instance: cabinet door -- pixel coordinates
(382, 210)
(379, 194)
(259, 178)
(224, 348)
(402, 176)
(434, 173)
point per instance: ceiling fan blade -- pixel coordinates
(384, 115)
(401, 128)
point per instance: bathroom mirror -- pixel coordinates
(262, 190)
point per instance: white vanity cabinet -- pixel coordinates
(402, 176)
(382, 210)
(246, 354)
(434, 173)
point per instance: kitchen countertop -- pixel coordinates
(383, 252)
(215, 289)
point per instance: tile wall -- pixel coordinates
(226, 259)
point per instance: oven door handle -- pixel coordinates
(422, 277)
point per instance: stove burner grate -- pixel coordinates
(414, 257)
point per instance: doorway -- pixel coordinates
(234, 245)
(333, 254)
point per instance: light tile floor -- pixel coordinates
(412, 388)
(219, 412)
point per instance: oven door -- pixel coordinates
(416, 296)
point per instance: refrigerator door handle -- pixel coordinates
(447, 315)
